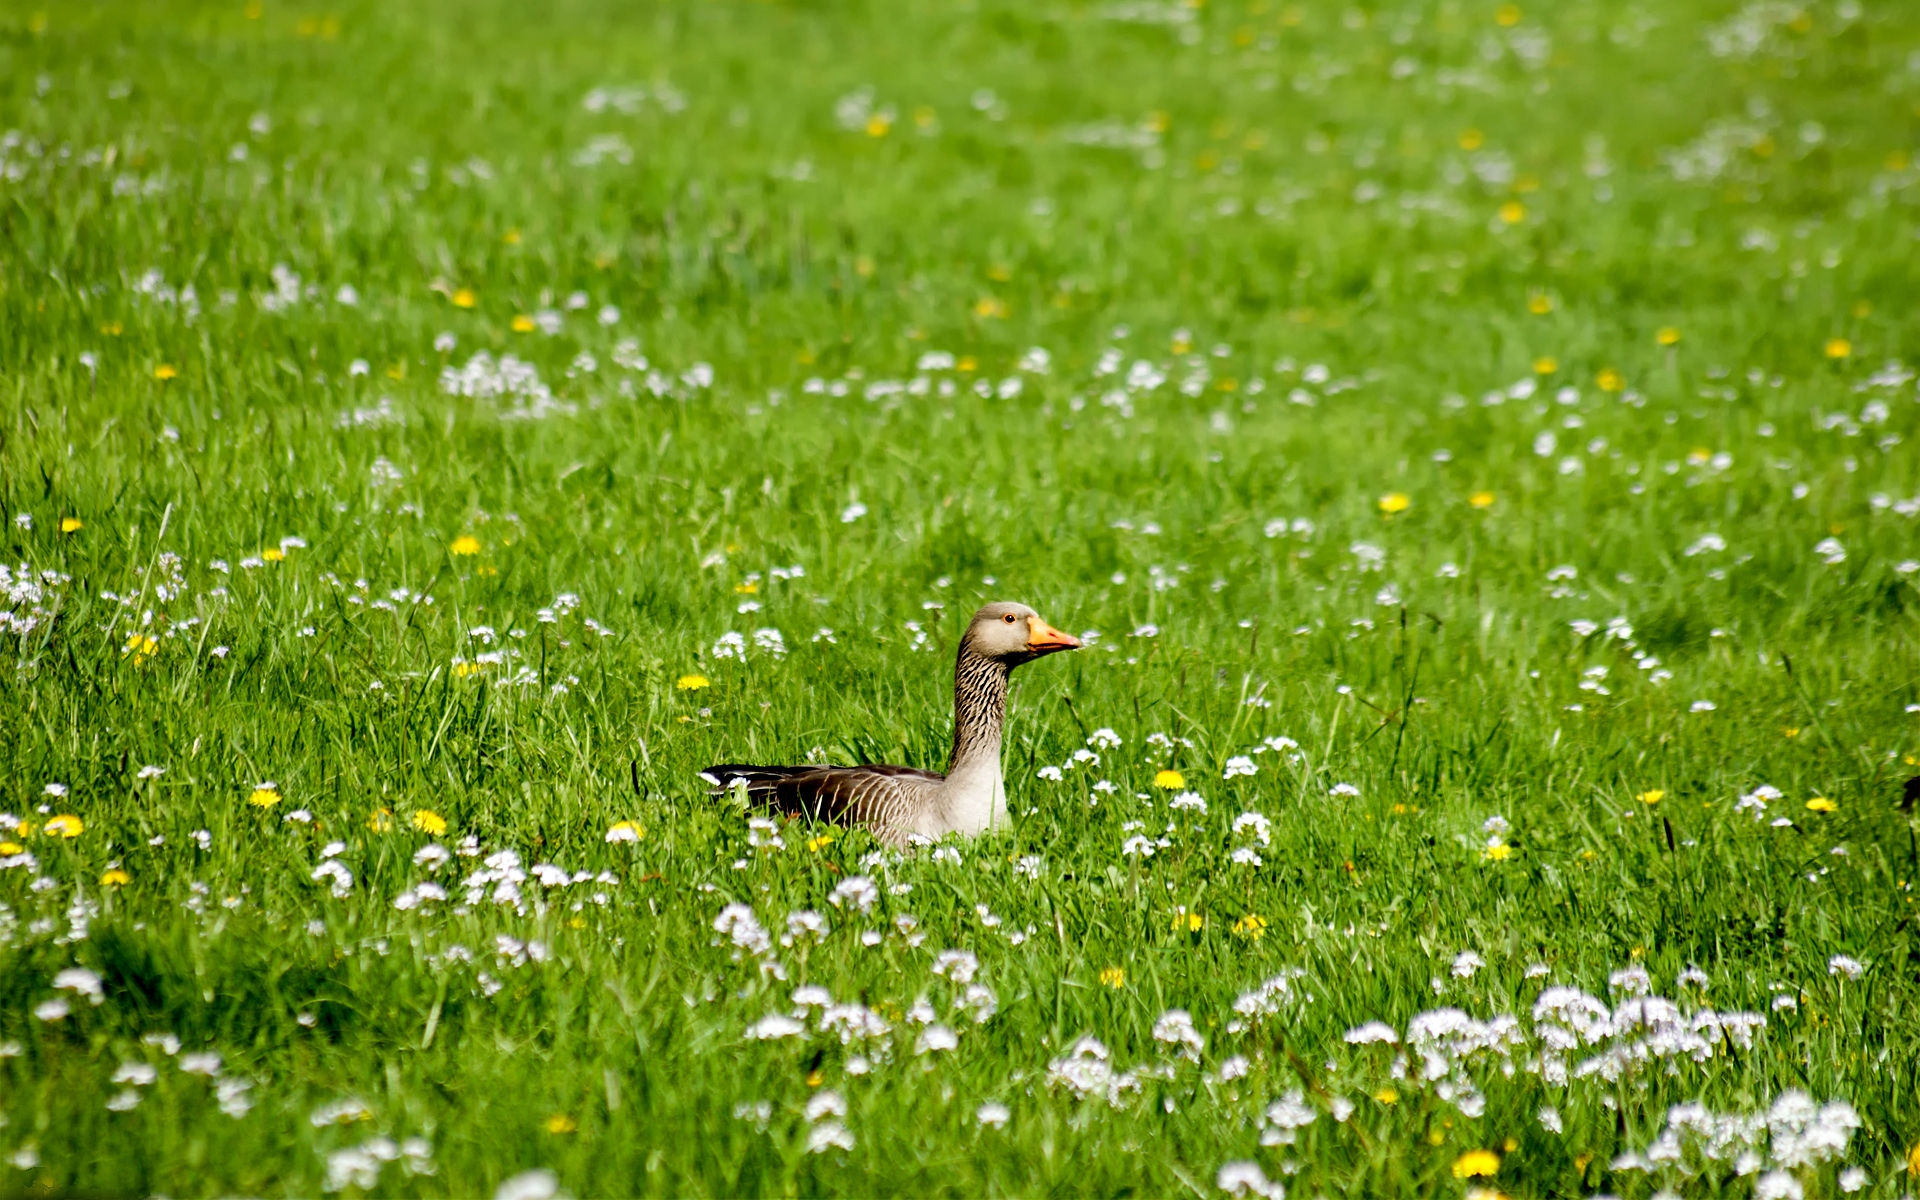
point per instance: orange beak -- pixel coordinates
(1043, 638)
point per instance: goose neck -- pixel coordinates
(979, 709)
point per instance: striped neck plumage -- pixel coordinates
(979, 709)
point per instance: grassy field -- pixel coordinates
(1477, 435)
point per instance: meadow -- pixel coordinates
(1474, 441)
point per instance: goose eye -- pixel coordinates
(1008, 618)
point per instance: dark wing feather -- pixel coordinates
(876, 796)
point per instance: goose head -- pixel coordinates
(1013, 634)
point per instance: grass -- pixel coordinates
(1367, 248)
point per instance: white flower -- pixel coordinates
(826, 1135)
(774, 1026)
(852, 512)
(936, 1038)
(1466, 963)
(81, 982)
(1777, 1185)
(1840, 964)
(1372, 1031)
(1702, 706)
(1832, 553)
(1190, 800)
(529, 1185)
(1343, 789)
(1240, 764)
(1137, 847)
(993, 1113)
(855, 891)
(1247, 1179)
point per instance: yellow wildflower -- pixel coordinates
(465, 544)
(748, 588)
(1475, 1163)
(1472, 139)
(1387, 1095)
(381, 821)
(1113, 977)
(264, 795)
(430, 822)
(817, 844)
(1169, 780)
(115, 877)
(692, 683)
(273, 554)
(1839, 348)
(1188, 922)
(8, 849)
(511, 237)
(625, 831)
(140, 647)
(1497, 852)
(522, 323)
(1539, 304)
(1394, 502)
(1546, 364)
(1481, 499)
(1669, 336)
(66, 825)
(989, 306)
(1651, 796)
(559, 1123)
(463, 298)
(967, 363)
(1253, 927)
(70, 525)
(1507, 14)
(1821, 804)
(878, 124)
(1513, 212)
(1610, 380)
(164, 372)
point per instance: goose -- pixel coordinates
(900, 805)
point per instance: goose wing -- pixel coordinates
(878, 796)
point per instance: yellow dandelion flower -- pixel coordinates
(66, 825)
(692, 683)
(264, 795)
(1610, 380)
(1668, 336)
(1169, 780)
(559, 1123)
(1513, 212)
(1651, 796)
(464, 298)
(71, 525)
(1253, 927)
(815, 1079)
(1472, 139)
(429, 822)
(8, 849)
(1791, 731)
(511, 237)
(1497, 852)
(1188, 922)
(115, 877)
(1913, 1159)
(1113, 977)
(878, 124)
(1546, 364)
(465, 544)
(112, 328)
(164, 372)
(1476, 1163)
(1507, 15)
(625, 831)
(990, 307)
(462, 668)
(381, 821)
(1821, 804)
(967, 363)
(522, 323)
(140, 647)
(1481, 499)
(1839, 348)
(273, 554)
(749, 588)
(817, 844)
(1394, 502)
(1387, 1095)
(1539, 304)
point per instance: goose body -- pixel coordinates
(902, 804)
